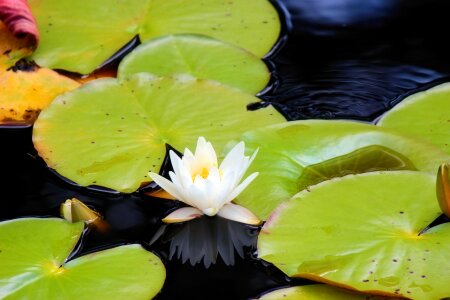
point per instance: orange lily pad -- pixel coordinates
(25, 89)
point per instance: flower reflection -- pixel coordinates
(207, 239)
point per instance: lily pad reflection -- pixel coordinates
(207, 239)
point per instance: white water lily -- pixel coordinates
(206, 187)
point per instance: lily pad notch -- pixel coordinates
(101, 28)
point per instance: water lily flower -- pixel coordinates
(206, 187)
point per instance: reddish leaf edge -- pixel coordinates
(19, 20)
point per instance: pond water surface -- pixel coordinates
(339, 59)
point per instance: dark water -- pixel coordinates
(341, 59)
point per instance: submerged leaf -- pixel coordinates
(364, 232)
(18, 18)
(201, 57)
(134, 119)
(101, 29)
(295, 155)
(33, 262)
(425, 115)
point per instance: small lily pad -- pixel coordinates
(364, 232)
(33, 263)
(318, 292)
(425, 114)
(295, 155)
(201, 57)
(93, 31)
(134, 118)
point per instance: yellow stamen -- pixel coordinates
(204, 173)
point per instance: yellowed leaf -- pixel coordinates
(24, 92)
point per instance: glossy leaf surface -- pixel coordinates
(425, 115)
(93, 31)
(33, 261)
(295, 155)
(318, 292)
(134, 119)
(364, 232)
(201, 57)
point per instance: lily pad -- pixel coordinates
(93, 31)
(201, 57)
(134, 119)
(23, 94)
(25, 89)
(364, 232)
(425, 114)
(33, 263)
(318, 292)
(295, 155)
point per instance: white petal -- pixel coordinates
(241, 187)
(225, 188)
(253, 156)
(188, 160)
(211, 211)
(183, 174)
(239, 214)
(233, 157)
(246, 162)
(180, 189)
(175, 161)
(214, 175)
(166, 185)
(196, 194)
(205, 154)
(183, 214)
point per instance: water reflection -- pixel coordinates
(351, 59)
(207, 239)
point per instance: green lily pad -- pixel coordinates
(295, 155)
(93, 31)
(113, 132)
(318, 292)
(201, 57)
(425, 114)
(364, 232)
(33, 263)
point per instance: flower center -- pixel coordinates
(203, 172)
